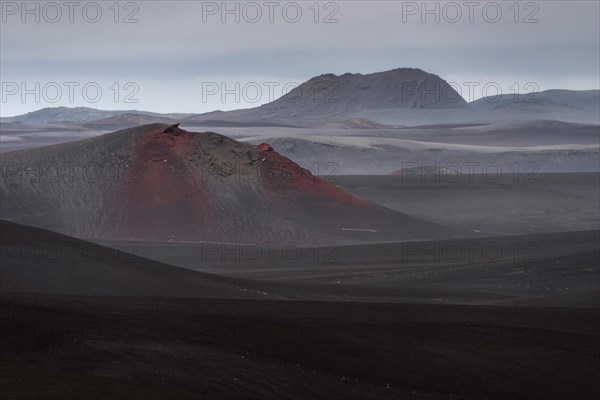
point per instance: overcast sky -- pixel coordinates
(198, 56)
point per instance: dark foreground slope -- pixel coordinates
(149, 348)
(559, 270)
(158, 182)
(37, 261)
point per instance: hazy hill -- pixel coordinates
(159, 182)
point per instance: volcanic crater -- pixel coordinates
(171, 184)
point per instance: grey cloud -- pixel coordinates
(171, 43)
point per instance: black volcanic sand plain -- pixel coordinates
(195, 345)
(556, 269)
(509, 204)
(166, 348)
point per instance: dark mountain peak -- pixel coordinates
(329, 75)
(173, 130)
(264, 147)
(351, 94)
(396, 72)
(409, 73)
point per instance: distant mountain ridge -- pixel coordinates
(80, 114)
(402, 96)
(327, 95)
(585, 100)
